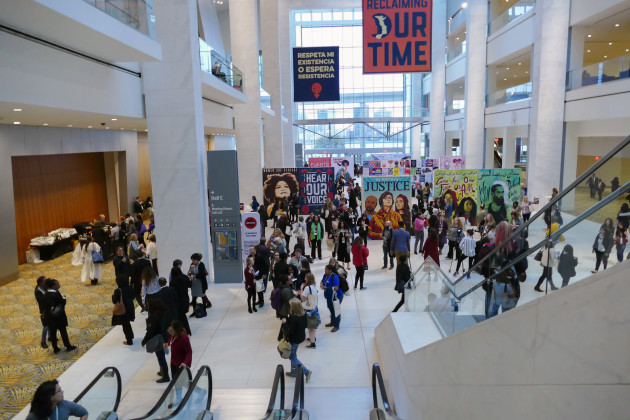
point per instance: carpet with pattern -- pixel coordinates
(23, 363)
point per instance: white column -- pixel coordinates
(272, 81)
(547, 112)
(176, 139)
(476, 29)
(509, 147)
(247, 117)
(289, 133)
(438, 80)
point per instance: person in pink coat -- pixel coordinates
(360, 253)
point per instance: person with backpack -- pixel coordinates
(566, 265)
(280, 298)
(333, 295)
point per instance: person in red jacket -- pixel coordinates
(430, 248)
(181, 352)
(360, 253)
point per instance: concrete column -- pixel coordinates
(273, 83)
(247, 117)
(476, 30)
(289, 133)
(547, 112)
(438, 80)
(176, 139)
(509, 148)
(576, 56)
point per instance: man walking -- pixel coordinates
(400, 242)
(387, 235)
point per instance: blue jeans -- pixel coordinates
(334, 318)
(620, 249)
(294, 360)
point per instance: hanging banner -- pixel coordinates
(250, 231)
(316, 185)
(315, 74)
(386, 199)
(319, 162)
(452, 162)
(459, 188)
(397, 36)
(278, 185)
(343, 167)
(498, 189)
(430, 163)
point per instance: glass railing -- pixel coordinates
(598, 73)
(196, 403)
(265, 98)
(102, 396)
(214, 63)
(455, 52)
(137, 14)
(172, 397)
(519, 9)
(580, 231)
(511, 94)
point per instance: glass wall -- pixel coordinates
(371, 98)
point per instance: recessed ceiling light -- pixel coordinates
(627, 50)
(146, 130)
(455, 38)
(69, 125)
(504, 79)
(610, 43)
(605, 56)
(519, 64)
(507, 68)
(122, 128)
(45, 124)
(526, 72)
(588, 50)
(106, 128)
(589, 35)
(114, 119)
(616, 25)
(16, 123)
(89, 126)
(17, 109)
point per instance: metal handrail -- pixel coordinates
(377, 379)
(98, 377)
(278, 378)
(298, 394)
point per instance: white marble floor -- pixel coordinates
(240, 348)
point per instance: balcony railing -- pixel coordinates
(511, 94)
(519, 9)
(214, 63)
(137, 14)
(598, 73)
(455, 52)
(452, 110)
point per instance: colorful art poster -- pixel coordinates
(278, 185)
(375, 168)
(386, 198)
(427, 174)
(430, 163)
(316, 185)
(452, 162)
(319, 162)
(343, 166)
(459, 188)
(315, 74)
(497, 190)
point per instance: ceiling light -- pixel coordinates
(627, 49)
(616, 25)
(519, 64)
(455, 38)
(17, 109)
(123, 128)
(504, 79)
(114, 119)
(589, 35)
(507, 68)
(45, 124)
(69, 125)
(146, 130)
(588, 50)
(89, 126)
(610, 43)
(16, 123)
(106, 128)
(464, 5)
(526, 72)
(605, 56)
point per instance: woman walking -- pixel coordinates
(403, 274)
(150, 285)
(342, 244)
(309, 301)
(621, 239)
(181, 283)
(156, 327)
(250, 285)
(418, 228)
(124, 295)
(91, 270)
(296, 324)
(198, 276)
(181, 351)
(360, 253)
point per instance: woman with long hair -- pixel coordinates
(362, 227)
(296, 324)
(621, 239)
(150, 285)
(309, 288)
(360, 253)
(48, 403)
(402, 208)
(276, 190)
(430, 247)
(179, 342)
(342, 244)
(181, 283)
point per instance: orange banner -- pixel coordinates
(397, 36)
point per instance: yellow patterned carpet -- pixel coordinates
(23, 363)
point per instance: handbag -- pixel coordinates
(119, 307)
(155, 343)
(336, 305)
(260, 285)
(538, 256)
(284, 348)
(312, 322)
(310, 303)
(97, 257)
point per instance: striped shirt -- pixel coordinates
(467, 245)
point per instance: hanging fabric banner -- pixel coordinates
(316, 185)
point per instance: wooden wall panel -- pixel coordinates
(54, 191)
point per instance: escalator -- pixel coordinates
(172, 397)
(457, 304)
(498, 159)
(386, 413)
(102, 396)
(297, 411)
(197, 401)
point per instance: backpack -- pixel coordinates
(200, 310)
(276, 298)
